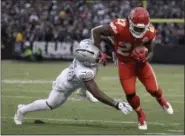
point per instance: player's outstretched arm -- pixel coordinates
(96, 34)
(102, 97)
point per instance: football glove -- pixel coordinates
(124, 107)
(103, 58)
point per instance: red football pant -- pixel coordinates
(128, 74)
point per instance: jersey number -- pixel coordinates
(121, 22)
(124, 48)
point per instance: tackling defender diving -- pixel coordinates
(81, 73)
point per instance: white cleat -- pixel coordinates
(142, 127)
(90, 97)
(87, 95)
(18, 117)
(169, 110)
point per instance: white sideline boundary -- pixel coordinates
(71, 98)
(98, 121)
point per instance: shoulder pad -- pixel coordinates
(117, 24)
(86, 75)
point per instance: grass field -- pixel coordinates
(25, 82)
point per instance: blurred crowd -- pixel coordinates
(54, 20)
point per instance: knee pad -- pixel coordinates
(130, 96)
(133, 100)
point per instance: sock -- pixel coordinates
(35, 106)
(140, 112)
(162, 101)
(141, 116)
(159, 97)
(134, 101)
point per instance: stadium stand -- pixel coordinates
(66, 20)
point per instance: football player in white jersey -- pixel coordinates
(81, 73)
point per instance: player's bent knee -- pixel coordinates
(133, 100)
(53, 104)
(49, 105)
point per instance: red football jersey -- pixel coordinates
(124, 42)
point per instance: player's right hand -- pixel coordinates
(103, 58)
(124, 107)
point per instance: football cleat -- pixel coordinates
(87, 95)
(168, 108)
(142, 125)
(90, 97)
(18, 117)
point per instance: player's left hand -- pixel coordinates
(114, 58)
(103, 58)
(124, 107)
(139, 54)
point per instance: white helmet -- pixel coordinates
(86, 51)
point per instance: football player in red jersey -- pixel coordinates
(128, 35)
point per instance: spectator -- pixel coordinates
(54, 20)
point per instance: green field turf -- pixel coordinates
(25, 82)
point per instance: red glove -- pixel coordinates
(140, 53)
(103, 58)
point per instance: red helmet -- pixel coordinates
(139, 20)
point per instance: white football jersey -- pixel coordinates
(74, 76)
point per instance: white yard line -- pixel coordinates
(169, 95)
(109, 93)
(172, 89)
(174, 130)
(159, 74)
(28, 97)
(170, 101)
(99, 121)
(16, 81)
(157, 134)
(70, 98)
